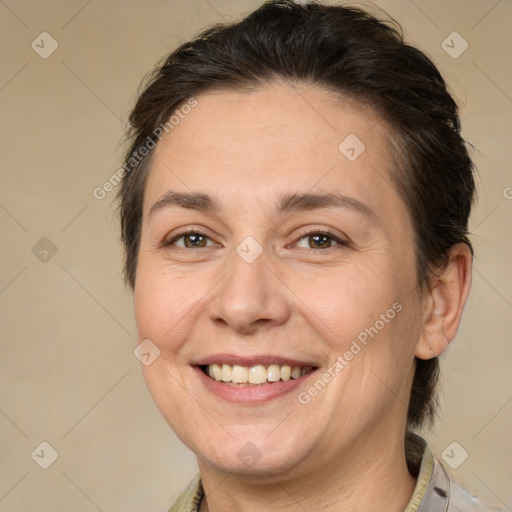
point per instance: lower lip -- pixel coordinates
(250, 394)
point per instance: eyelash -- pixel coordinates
(302, 236)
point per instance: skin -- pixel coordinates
(344, 449)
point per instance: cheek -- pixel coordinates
(342, 302)
(162, 303)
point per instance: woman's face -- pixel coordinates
(302, 255)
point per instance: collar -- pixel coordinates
(432, 490)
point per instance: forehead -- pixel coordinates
(248, 148)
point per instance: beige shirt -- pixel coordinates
(434, 491)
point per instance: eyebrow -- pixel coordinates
(287, 203)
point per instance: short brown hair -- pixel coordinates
(350, 52)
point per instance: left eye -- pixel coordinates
(318, 241)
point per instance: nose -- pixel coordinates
(250, 297)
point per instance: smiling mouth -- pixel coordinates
(256, 375)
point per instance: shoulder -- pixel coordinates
(435, 491)
(462, 500)
(190, 498)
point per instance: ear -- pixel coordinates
(444, 304)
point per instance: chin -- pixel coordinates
(253, 454)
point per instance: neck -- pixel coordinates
(372, 476)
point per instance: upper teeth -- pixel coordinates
(257, 374)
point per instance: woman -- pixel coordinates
(295, 216)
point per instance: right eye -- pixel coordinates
(190, 240)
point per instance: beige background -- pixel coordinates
(68, 373)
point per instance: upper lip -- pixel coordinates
(264, 359)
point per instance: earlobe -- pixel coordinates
(445, 303)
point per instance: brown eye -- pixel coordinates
(194, 240)
(319, 240)
(190, 240)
